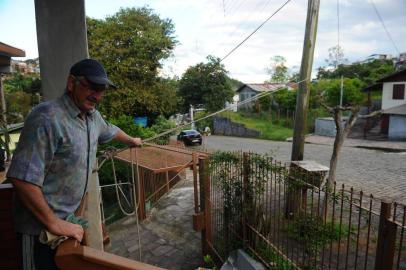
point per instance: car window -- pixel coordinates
(192, 132)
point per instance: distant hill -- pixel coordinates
(235, 84)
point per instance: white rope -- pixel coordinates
(136, 196)
(119, 188)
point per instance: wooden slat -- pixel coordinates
(73, 256)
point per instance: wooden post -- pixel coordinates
(366, 125)
(167, 174)
(94, 235)
(385, 251)
(195, 187)
(141, 192)
(304, 200)
(205, 205)
(278, 116)
(302, 100)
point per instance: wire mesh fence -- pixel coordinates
(287, 219)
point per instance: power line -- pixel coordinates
(234, 7)
(262, 24)
(338, 33)
(384, 27)
(247, 17)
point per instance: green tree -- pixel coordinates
(367, 72)
(131, 44)
(21, 94)
(278, 71)
(286, 99)
(206, 84)
(330, 90)
(19, 82)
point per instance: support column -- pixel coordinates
(94, 234)
(62, 41)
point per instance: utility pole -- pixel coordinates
(193, 126)
(302, 99)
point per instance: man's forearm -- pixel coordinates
(33, 199)
(123, 137)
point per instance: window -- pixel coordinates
(398, 91)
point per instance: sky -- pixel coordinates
(215, 27)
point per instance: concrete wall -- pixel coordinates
(397, 128)
(223, 126)
(62, 41)
(387, 96)
(326, 127)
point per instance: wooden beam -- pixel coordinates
(73, 256)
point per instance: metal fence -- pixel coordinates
(280, 216)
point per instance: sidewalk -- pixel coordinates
(390, 146)
(167, 236)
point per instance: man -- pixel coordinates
(53, 161)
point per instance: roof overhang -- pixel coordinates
(398, 110)
(9, 51)
(373, 87)
(394, 77)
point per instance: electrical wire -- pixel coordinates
(338, 34)
(384, 27)
(247, 17)
(253, 32)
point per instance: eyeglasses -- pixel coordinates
(91, 86)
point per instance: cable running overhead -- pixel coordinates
(384, 27)
(253, 32)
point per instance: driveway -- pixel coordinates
(381, 173)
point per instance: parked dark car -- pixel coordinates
(190, 137)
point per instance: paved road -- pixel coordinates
(382, 174)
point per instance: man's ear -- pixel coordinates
(70, 85)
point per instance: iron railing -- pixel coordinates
(287, 219)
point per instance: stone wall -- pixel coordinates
(224, 126)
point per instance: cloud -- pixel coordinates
(207, 27)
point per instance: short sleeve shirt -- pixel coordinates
(57, 151)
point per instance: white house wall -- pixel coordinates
(387, 96)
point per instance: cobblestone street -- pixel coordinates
(381, 173)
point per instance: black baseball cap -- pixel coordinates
(93, 71)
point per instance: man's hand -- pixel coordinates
(121, 136)
(62, 227)
(33, 198)
(135, 142)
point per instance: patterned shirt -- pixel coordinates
(57, 151)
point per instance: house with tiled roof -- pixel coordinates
(247, 91)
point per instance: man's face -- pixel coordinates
(83, 93)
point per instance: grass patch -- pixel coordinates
(262, 123)
(312, 232)
(272, 258)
